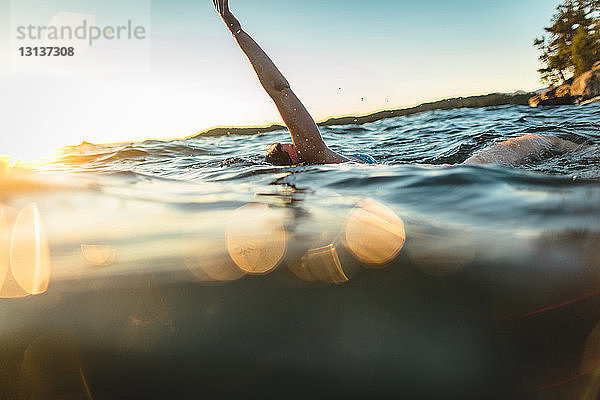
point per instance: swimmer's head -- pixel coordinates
(282, 154)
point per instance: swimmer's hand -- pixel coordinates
(222, 7)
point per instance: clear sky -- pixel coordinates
(187, 74)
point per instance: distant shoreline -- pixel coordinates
(493, 99)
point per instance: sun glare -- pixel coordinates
(29, 155)
(31, 160)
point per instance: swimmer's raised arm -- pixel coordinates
(305, 134)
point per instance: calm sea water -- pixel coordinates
(189, 267)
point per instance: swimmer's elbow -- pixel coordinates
(272, 80)
(276, 87)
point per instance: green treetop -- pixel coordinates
(573, 42)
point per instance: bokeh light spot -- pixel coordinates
(256, 238)
(98, 255)
(206, 257)
(374, 233)
(4, 246)
(323, 264)
(29, 252)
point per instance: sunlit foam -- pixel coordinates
(4, 246)
(374, 233)
(256, 238)
(29, 252)
(320, 264)
(98, 255)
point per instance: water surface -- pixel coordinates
(191, 267)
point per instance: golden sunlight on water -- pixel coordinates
(256, 238)
(29, 251)
(98, 255)
(374, 233)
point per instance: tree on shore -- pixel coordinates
(573, 42)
